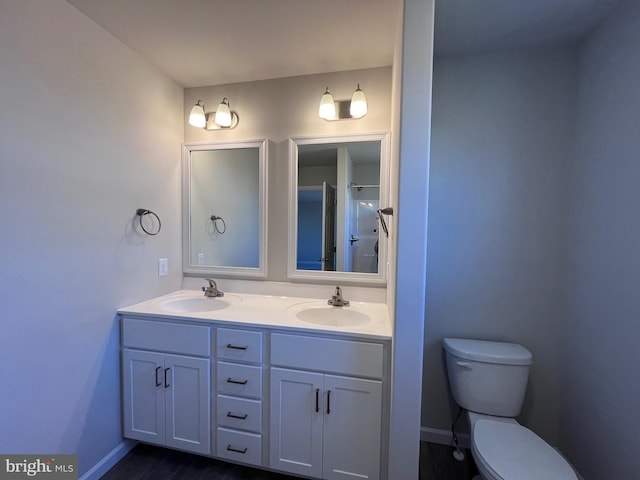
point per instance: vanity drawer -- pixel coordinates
(236, 379)
(241, 345)
(328, 355)
(239, 446)
(240, 413)
(166, 337)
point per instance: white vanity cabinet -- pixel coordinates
(239, 395)
(326, 417)
(166, 383)
(309, 403)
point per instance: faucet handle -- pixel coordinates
(212, 282)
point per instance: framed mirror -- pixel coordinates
(224, 216)
(336, 186)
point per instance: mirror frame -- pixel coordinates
(225, 270)
(333, 276)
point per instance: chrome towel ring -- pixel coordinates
(214, 219)
(142, 212)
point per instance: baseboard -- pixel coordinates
(109, 460)
(443, 437)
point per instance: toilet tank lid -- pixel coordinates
(488, 351)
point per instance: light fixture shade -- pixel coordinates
(327, 108)
(223, 113)
(197, 117)
(358, 108)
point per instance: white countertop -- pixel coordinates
(359, 319)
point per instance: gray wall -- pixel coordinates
(88, 133)
(502, 138)
(600, 415)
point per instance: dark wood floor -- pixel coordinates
(146, 462)
(437, 463)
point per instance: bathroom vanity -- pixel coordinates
(281, 383)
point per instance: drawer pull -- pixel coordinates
(237, 450)
(158, 382)
(237, 347)
(237, 382)
(241, 417)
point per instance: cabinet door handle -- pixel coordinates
(158, 382)
(317, 400)
(237, 382)
(237, 450)
(237, 347)
(166, 383)
(328, 402)
(241, 417)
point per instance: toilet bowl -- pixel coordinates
(489, 380)
(505, 450)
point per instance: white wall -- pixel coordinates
(600, 416)
(412, 117)
(502, 138)
(88, 133)
(287, 107)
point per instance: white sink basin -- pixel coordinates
(196, 304)
(329, 316)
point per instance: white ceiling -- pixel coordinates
(214, 42)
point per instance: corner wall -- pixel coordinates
(410, 226)
(600, 414)
(89, 132)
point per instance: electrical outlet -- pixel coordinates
(163, 267)
(201, 259)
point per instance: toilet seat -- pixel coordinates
(509, 451)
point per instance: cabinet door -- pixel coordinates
(296, 422)
(143, 396)
(188, 414)
(352, 428)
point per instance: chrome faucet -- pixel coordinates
(336, 300)
(212, 289)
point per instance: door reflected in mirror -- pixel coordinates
(337, 185)
(224, 208)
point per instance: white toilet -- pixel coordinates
(489, 380)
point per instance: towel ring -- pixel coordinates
(215, 219)
(141, 212)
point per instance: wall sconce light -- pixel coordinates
(342, 109)
(196, 117)
(222, 118)
(358, 107)
(327, 108)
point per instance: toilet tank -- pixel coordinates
(487, 377)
